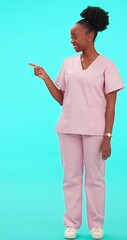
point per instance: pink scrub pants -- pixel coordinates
(79, 153)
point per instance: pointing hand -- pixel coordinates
(38, 71)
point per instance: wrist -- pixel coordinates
(108, 136)
(46, 78)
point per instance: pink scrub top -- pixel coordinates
(84, 102)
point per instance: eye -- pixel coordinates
(73, 37)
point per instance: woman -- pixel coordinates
(86, 87)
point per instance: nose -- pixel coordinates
(72, 41)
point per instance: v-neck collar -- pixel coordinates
(90, 63)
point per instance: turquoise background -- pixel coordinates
(31, 175)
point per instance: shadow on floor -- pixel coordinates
(106, 237)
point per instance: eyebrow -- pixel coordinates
(72, 34)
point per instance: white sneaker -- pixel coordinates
(70, 233)
(97, 233)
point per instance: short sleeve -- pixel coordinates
(113, 81)
(60, 80)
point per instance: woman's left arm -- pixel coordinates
(105, 147)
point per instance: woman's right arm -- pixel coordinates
(55, 92)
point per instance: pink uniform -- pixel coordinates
(84, 101)
(80, 129)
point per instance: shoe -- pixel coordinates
(97, 233)
(70, 233)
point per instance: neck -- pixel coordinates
(89, 53)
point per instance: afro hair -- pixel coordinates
(96, 17)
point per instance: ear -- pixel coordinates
(90, 36)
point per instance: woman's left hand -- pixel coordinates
(105, 148)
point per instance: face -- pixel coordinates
(80, 37)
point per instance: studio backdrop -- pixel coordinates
(31, 175)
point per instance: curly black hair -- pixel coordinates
(94, 19)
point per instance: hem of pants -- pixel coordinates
(95, 225)
(73, 226)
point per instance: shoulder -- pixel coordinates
(71, 59)
(107, 62)
(109, 68)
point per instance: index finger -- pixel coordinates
(33, 65)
